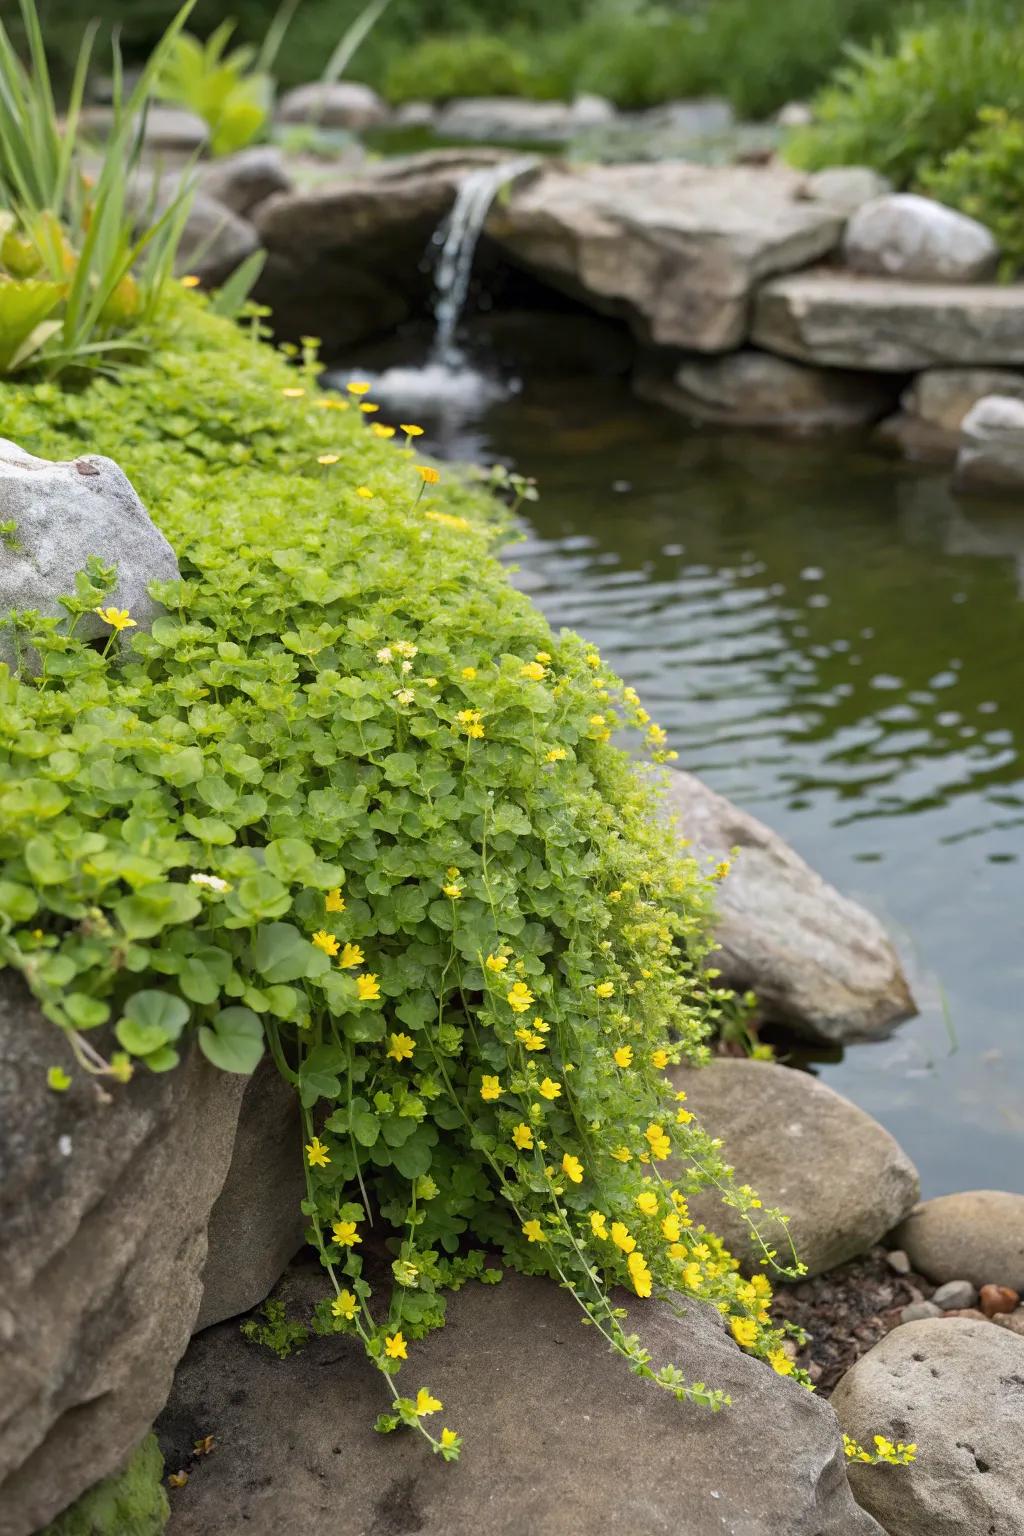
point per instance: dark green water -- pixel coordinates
(836, 642)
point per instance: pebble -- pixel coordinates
(1012, 1320)
(897, 1260)
(918, 1310)
(997, 1298)
(955, 1293)
(972, 1312)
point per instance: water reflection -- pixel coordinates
(836, 642)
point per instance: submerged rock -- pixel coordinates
(843, 320)
(834, 1171)
(933, 407)
(755, 389)
(104, 1205)
(914, 237)
(977, 1235)
(675, 248)
(956, 1388)
(559, 1438)
(991, 455)
(63, 512)
(817, 961)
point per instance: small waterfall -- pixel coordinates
(458, 237)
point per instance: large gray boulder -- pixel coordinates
(242, 181)
(976, 1235)
(843, 320)
(954, 1387)
(837, 1174)
(63, 512)
(817, 961)
(256, 1226)
(755, 389)
(104, 1205)
(559, 1438)
(337, 104)
(676, 248)
(991, 455)
(903, 235)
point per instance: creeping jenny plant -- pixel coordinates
(353, 802)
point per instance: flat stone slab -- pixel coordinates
(559, 1438)
(887, 325)
(818, 962)
(675, 248)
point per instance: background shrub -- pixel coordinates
(479, 64)
(984, 177)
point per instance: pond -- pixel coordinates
(836, 642)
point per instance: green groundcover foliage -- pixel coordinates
(352, 801)
(132, 1503)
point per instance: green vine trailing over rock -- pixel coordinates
(352, 801)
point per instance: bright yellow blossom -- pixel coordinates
(598, 1225)
(659, 1059)
(358, 387)
(621, 1237)
(411, 430)
(623, 1057)
(345, 1234)
(427, 1404)
(334, 901)
(529, 1041)
(496, 963)
(368, 988)
(744, 1330)
(780, 1362)
(490, 1088)
(658, 1142)
(317, 1154)
(449, 1438)
(520, 997)
(670, 1228)
(427, 473)
(469, 673)
(532, 670)
(401, 1047)
(550, 1089)
(345, 1305)
(647, 1202)
(117, 618)
(639, 1274)
(351, 955)
(622, 1154)
(557, 755)
(572, 1168)
(325, 941)
(605, 989)
(394, 1347)
(523, 1137)
(533, 1232)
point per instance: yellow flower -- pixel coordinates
(533, 670)
(469, 673)
(659, 1059)
(369, 989)
(351, 956)
(294, 393)
(427, 1404)
(639, 1274)
(410, 430)
(623, 1057)
(780, 1362)
(190, 281)
(532, 1232)
(401, 1047)
(744, 1330)
(490, 1088)
(691, 1275)
(572, 1168)
(597, 720)
(670, 1228)
(325, 941)
(345, 1234)
(598, 1225)
(345, 1305)
(523, 1137)
(529, 1040)
(117, 618)
(317, 1154)
(364, 491)
(358, 387)
(658, 1142)
(394, 1347)
(557, 755)
(540, 1026)
(550, 1089)
(605, 989)
(367, 409)
(520, 998)
(328, 458)
(427, 473)
(335, 901)
(542, 656)
(622, 1154)
(648, 1203)
(683, 1117)
(448, 1436)
(454, 891)
(621, 1237)
(496, 962)
(380, 430)
(328, 403)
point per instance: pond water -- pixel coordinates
(836, 642)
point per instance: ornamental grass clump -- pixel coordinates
(352, 802)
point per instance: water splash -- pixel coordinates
(458, 238)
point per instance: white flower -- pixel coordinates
(385, 653)
(406, 667)
(404, 695)
(214, 882)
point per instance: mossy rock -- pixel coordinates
(134, 1500)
